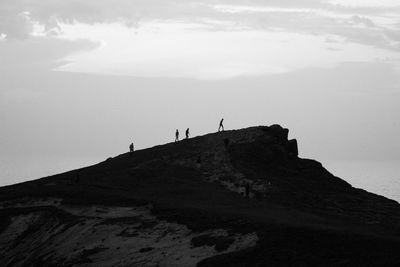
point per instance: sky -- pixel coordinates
(81, 80)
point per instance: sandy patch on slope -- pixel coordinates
(118, 236)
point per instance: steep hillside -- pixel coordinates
(185, 203)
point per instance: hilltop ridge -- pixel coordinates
(295, 210)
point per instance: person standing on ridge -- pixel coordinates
(187, 133)
(131, 148)
(176, 135)
(221, 125)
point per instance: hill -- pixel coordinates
(185, 204)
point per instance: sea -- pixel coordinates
(379, 177)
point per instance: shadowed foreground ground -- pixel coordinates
(182, 204)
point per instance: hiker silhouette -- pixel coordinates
(176, 135)
(131, 148)
(221, 125)
(187, 133)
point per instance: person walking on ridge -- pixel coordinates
(187, 133)
(221, 125)
(131, 148)
(176, 135)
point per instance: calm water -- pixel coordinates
(382, 178)
(19, 170)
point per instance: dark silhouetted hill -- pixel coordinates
(184, 204)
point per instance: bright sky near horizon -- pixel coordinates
(82, 79)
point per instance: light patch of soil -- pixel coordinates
(112, 236)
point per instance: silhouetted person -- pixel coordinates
(247, 190)
(131, 148)
(176, 135)
(187, 133)
(221, 125)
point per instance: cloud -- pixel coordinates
(361, 21)
(132, 11)
(39, 52)
(366, 3)
(18, 26)
(375, 28)
(193, 51)
(349, 25)
(313, 16)
(49, 12)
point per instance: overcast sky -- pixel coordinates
(80, 80)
